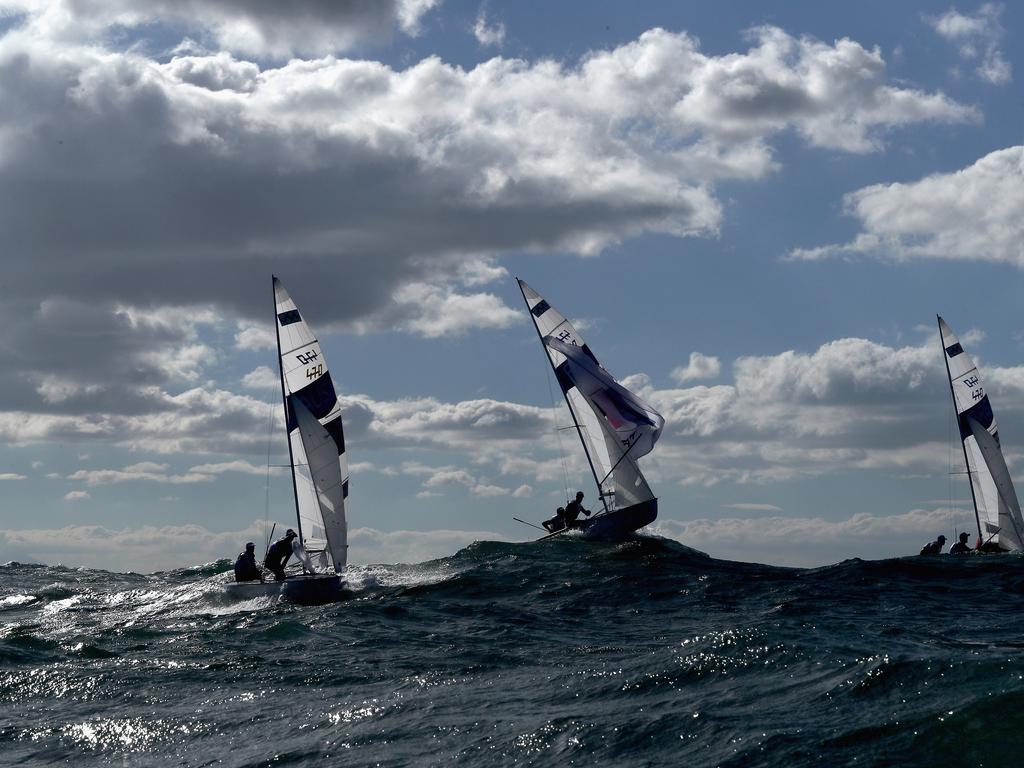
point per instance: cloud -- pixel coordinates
(972, 214)
(261, 28)
(754, 507)
(149, 548)
(262, 378)
(144, 470)
(849, 405)
(977, 38)
(437, 477)
(305, 167)
(492, 34)
(699, 367)
(815, 541)
(76, 495)
(12, 476)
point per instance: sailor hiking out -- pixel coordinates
(279, 554)
(567, 516)
(934, 547)
(245, 566)
(961, 547)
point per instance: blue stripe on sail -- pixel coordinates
(588, 353)
(541, 308)
(954, 349)
(319, 397)
(564, 379)
(981, 412)
(289, 317)
(333, 428)
(344, 490)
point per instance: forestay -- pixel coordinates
(315, 436)
(616, 426)
(995, 500)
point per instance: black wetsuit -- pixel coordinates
(572, 512)
(245, 568)
(960, 548)
(933, 548)
(277, 557)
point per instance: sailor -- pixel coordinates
(245, 566)
(573, 509)
(557, 522)
(935, 547)
(961, 547)
(278, 554)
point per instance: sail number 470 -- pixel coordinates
(971, 383)
(314, 371)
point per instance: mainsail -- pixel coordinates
(315, 438)
(615, 426)
(995, 500)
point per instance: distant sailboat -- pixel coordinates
(316, 450)
(614, 425)
(996, 509)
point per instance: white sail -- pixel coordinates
(995, 500)
(315, 436)
(616, 426)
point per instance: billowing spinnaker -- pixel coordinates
(616, 426)
(995, 499)
(317, 462)
(636, 425)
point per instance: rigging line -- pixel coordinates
(558, 431)
(266, 485)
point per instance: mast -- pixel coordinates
(284, 400)
(963, 445)
(575, 421)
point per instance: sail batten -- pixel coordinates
(315, 436)
(615, 426)
(995, 499)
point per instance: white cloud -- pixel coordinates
(699, 367)
(144, 470)
(76, 495)
(753, 507)
(257, 28)
(150, 548)
(12, 476)
(972, 214)
(256, 336)
(488, 34)
(261, 378)
(312, 162)
(977, 38)
(523, 491)
(244, 467)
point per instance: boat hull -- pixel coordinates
(619, 524)
(616, 525)
(313, 589)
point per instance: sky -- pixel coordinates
(752, 212)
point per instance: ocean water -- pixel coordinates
(559, 653)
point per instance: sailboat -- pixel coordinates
(996, 509)
(614, 425)
(317, 459)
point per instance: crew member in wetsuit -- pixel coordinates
(573, 509)
(278, 554)
(557, 522)
(961, 547)
(245, 566)
(935, 547)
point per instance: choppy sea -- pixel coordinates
(559, 653)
